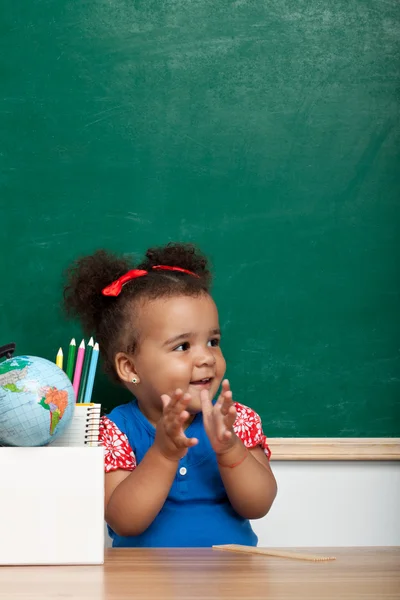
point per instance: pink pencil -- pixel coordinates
(78, 368)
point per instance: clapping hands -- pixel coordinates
(218, 420)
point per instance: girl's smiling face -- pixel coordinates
(178, 347)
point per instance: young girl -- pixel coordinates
(183, 468)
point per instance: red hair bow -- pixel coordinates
(115, 288)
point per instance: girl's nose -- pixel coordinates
(205, 357)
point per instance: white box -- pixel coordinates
(51, 506)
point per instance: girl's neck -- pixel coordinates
(154, 414)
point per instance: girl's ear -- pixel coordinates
(125, 368)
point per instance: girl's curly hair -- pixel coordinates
(109, 319)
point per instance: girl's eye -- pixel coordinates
(214, 342)
(182, 347)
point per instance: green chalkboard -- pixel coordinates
(266, 132)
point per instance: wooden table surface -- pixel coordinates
(189, 574)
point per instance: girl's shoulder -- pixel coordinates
(118, 453)
(246, 412)
(248, 428)
(113, 436)
(122, 415)
(123, 410)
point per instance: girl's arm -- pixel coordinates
(134, 499)
(247, 476)
(248, 480)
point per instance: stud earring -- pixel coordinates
(134, 380)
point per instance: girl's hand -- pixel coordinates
(171, 440)
(219, 419)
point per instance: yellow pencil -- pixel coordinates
(60, 358)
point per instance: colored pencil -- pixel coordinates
(92, 373)
(60, 358)
(85, 370)
(71, 358)
(78, 367)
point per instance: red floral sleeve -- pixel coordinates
(249, 429)
(118, 453)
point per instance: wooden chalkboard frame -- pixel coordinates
(343, 449)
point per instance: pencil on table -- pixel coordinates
(60, 358)
(78, 368)
(272, 552)
(92, 373)
(71, 358)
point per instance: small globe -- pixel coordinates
(37, 401)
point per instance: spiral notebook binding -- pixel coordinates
(92, 426)
(84, 428)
